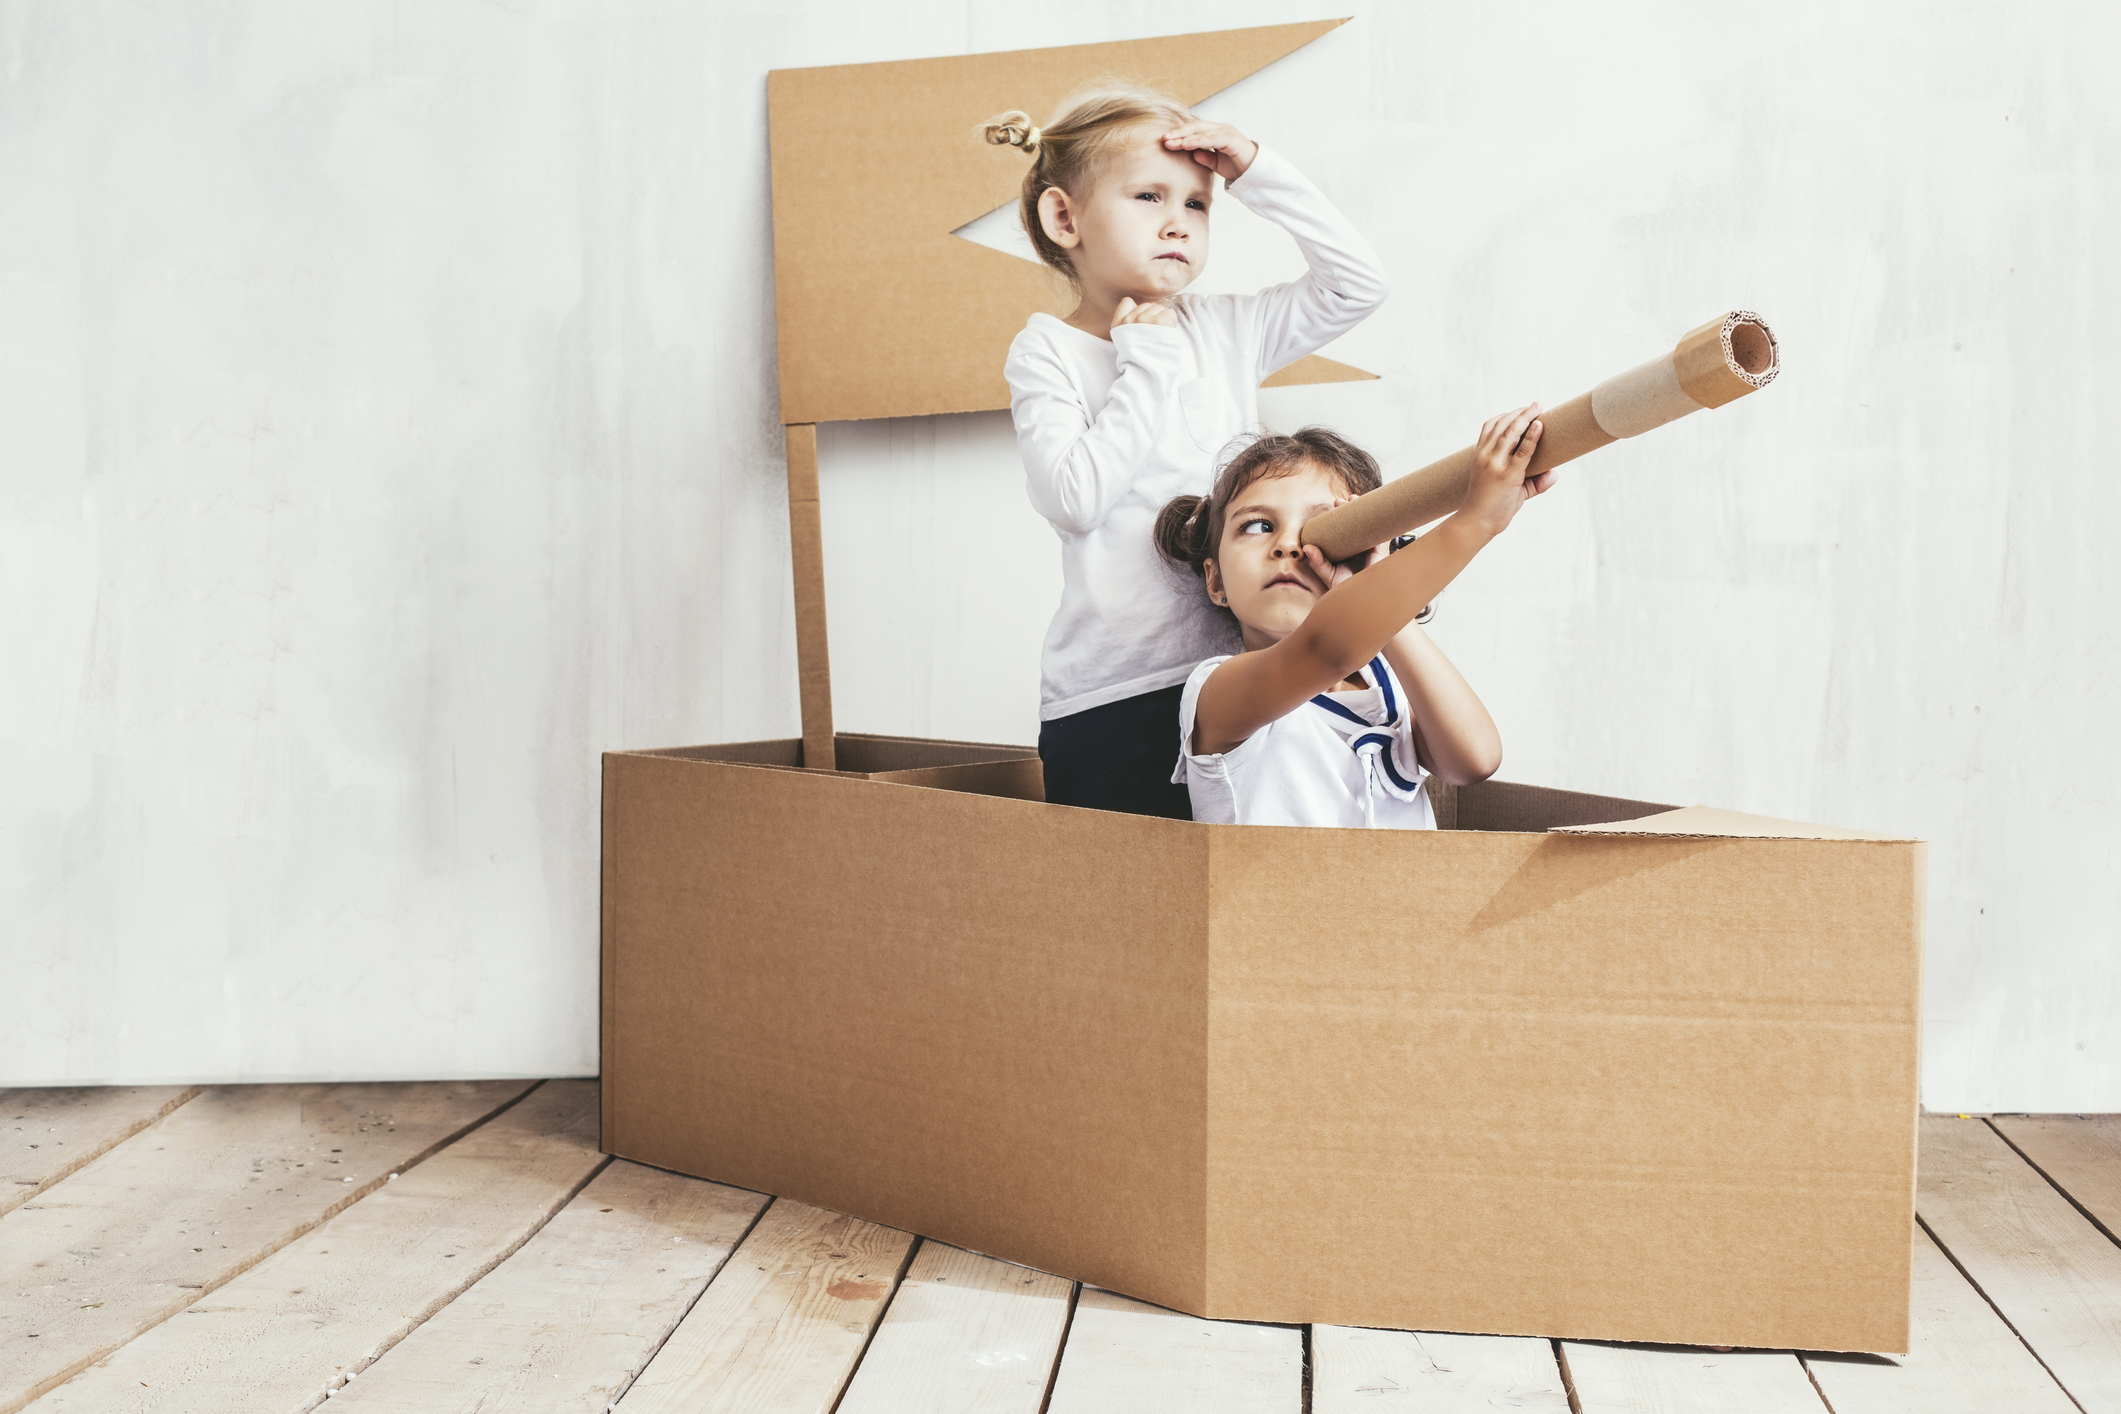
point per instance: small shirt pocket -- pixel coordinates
(1211, 418)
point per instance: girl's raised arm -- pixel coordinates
(1343, 281)
(1358, 617)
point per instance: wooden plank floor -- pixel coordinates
(464, 1247)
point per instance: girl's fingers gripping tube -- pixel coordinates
(1721, 361)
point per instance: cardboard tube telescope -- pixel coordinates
(1721, 361)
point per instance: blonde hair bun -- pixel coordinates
(1013, 129)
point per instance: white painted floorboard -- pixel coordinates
(965, 1335)
(1359, 1371)
(1128, 1357)
(1963, 1360)
(781, 1329)
(2055, 1277)
(1681, 1379)
(2081, 1153)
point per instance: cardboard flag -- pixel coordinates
(882, 311)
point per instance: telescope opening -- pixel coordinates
(1753, 348)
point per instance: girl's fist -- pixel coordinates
(1129, 312)
(1334, 572)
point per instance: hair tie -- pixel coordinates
(1031, 140)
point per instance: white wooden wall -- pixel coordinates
(386, 428)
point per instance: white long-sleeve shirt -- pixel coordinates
(1111, 430)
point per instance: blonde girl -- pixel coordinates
(1338, 708)
(1125, 403)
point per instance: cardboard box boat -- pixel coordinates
(1568, 1066)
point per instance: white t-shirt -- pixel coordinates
(1111, 430)
(1343, 759)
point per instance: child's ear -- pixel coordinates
(1214, 576)
(1058, 218)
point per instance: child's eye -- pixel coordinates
(1248, 527)
(1146, 196)
(1197, 204)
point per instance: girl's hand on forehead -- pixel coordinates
(1217, 146)
(1128, 312)
(1333, 572)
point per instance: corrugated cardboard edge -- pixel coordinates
(1921, 885)
(1701, 822)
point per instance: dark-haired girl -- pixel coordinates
(1339, 708)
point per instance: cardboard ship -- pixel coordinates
(1569, 1065)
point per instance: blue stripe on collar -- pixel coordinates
(1334, 707)
(1384, 685)
(1383, 739)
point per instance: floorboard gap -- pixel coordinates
(1568, 1378)
(1060, 1351)
(905, 1265)
(2088, 1215)
(81, 1161)
(476, 1277)
(1817, 1389)
(1949, 1256)
(620, 1393)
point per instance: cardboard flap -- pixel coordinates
(1022, 779)
(973, 767)
(1706, 821)
(1518, 808)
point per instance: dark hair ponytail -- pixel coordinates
(1182, 532)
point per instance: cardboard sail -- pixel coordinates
(880, 310)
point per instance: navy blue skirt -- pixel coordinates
(1117, 757)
